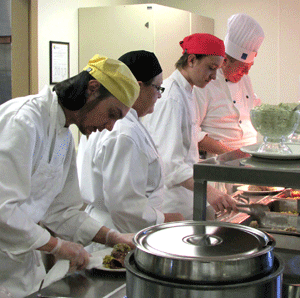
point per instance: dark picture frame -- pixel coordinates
(59, 61)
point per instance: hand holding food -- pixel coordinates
(114, 237)
(78, 256)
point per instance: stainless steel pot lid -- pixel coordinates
(204, 241)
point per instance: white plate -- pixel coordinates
(252, 149)
(101, 254)
(244, 188)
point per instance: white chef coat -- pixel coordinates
(225, 111)
(120, 176)
(174, 126)
(38, 182)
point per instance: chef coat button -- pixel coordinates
(247, 96)
(234, 101)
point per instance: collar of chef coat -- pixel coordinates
(182, 82)
(134, 113)
(61, 118)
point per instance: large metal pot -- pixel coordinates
(204, 252)
(140, 284)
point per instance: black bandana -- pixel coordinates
(144, 65)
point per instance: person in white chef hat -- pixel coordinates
(38, 180)
(225, 103)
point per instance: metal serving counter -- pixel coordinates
(232, 167)
(242, 168)
(239, 167)
(87, 284)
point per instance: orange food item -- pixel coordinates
(292, 198)
(295, 193)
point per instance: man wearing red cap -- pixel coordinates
(174, 124)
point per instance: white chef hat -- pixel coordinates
(244, 37)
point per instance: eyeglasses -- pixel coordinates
(158, 88)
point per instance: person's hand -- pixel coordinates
(220, 200)
(169, 217)
(114, 237)
(78, 256)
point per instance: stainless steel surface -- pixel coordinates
(280, 221)
(42, 296)
(282, 217)
(258, 211)
(87, 284)
(96, 283)
(140, 284)
(204, 251)
(239, 167)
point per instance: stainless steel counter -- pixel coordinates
(88, 284)
(233, 167)
(239, 167)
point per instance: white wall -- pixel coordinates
(275, 75)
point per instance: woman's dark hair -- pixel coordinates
(148, 83)
(183, 60)
(72, 93)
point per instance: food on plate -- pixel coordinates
(117, 257)
(261, 188)
(112, 263)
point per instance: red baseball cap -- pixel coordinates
(203, 43)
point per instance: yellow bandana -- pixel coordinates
(116, 77)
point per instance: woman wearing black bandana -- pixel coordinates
(120, 171)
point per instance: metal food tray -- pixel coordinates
(284, 214)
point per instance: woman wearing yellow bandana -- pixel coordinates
(39, 178)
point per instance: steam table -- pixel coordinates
(239, 167)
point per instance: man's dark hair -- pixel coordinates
(72, 92)
(183, 60)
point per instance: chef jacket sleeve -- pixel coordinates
(257, 101)
(124, 168)
(18, 141)
(64, 216)
(169, 128)
(202, 99)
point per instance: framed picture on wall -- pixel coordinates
(59, 61)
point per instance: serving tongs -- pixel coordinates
(257, 211)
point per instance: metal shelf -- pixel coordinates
(239, 167)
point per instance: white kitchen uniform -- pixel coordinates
(120, 176)
(225, 111)
(174, 126)
(38, 183)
